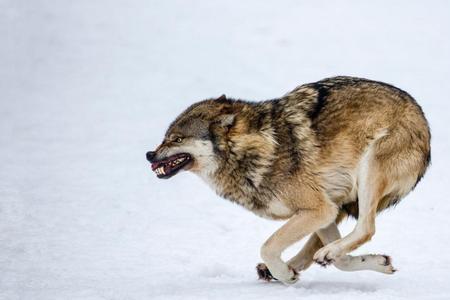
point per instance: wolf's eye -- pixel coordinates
(178, 140)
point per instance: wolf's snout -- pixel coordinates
(151, 156)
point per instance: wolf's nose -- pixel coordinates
(150, 155)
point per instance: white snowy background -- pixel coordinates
(87, 87)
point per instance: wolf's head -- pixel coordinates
(190, 142)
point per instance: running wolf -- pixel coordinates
(339, 147)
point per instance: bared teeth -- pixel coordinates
(160, 171)
(177, 161)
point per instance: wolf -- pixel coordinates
(336, 148)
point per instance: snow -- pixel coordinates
(87, 87)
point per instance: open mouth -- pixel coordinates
(169, 166)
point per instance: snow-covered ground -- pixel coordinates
(87, 87)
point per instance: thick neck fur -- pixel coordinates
(263, 145)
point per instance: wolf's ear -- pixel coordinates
(226, 116)
(223, 121)
(223, 97)
(226, 120)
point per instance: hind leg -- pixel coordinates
(371, 188)
(329, 234)
(304, 258)
(363, 232)
(372, 262)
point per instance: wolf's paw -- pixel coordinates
(385, 264)
(327, 255)
(377, 262)
(263, 272)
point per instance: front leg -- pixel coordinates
(299, 262)
(303, 259)
(303, 223)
